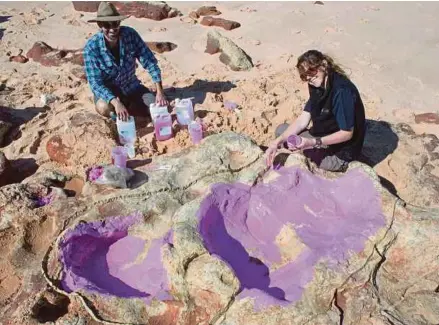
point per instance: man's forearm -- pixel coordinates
(159, 87)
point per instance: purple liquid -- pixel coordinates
(330, 219)
(294, 140)
(196, 132)
(101, 257)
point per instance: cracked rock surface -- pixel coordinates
(393, 279)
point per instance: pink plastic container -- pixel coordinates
(196, 132)
(119, 157)
(163, 127)
(294, 140)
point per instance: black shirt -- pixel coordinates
(337, 107)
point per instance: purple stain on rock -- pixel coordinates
(44, 200)
(102, 257)
(230, 105)
(94, 173)
(330, 218)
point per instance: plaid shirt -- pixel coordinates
(103, 72)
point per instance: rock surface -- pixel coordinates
(203, 287)
(4, 129)
(231, 55)
(140, 9)
(220, 22)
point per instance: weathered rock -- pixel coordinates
(72, 147)
(48, 56)
(432, 118)
(139, 9)
(19, 58)
(231, 55)
(160, 47)
(208, 11)
(409, 161)
(220, 22)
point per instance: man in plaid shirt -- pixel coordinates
(110, 66)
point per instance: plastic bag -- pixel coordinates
(111, 175)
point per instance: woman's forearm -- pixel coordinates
(337, 137)
(296, 127)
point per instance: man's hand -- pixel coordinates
(121, 111)
(160, 99)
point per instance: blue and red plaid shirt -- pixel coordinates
(104, 73)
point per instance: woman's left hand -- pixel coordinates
(306, 143)
(160, 99)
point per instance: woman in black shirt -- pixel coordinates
(336, 111)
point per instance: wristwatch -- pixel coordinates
(319, 143)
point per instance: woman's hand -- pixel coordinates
(160, 99)
(270, 154)
(306, 143)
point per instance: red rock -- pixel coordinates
(432, 118)
(138, 9)
(19, 59)
(86, 6)
(57, 151)
(208, 11)
(219, 22)
(160, 47)
(194, 15)
(48, 56)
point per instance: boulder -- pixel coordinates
(220, 22)
(140, 9)
(208, 11)
(48, 56)
(432, 118)
(231, 55)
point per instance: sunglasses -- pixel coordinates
(111, 24)
(309, 74)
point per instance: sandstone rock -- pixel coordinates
(161, 47)
(364, 287)
(432, 118)
(139, 9)
(231, 54)
(48, 56)
(208, 11)
(72, 147)
(220, 22)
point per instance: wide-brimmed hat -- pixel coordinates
(107, 12)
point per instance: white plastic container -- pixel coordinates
(184, 111)
(156, 110)
(126, 131)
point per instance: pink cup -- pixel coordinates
(196, 132)
(119, 157)
(294, 140)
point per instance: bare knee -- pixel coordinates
(104, 108)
